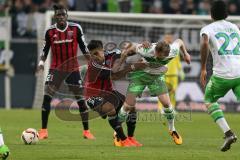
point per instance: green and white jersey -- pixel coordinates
(224, 44)
(156, 65)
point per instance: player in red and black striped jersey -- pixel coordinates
(63, 38)
(98, 91)
(112, 58)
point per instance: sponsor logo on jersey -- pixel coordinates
(63, 41)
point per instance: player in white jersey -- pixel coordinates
(222, 38)
(157, 55)
(4, 151)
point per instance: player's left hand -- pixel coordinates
(203, 77)
(187, 58)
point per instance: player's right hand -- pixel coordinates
(187, 58)
(40, 69)
(203, 78)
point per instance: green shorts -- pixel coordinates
(217, 87)
(139, 80)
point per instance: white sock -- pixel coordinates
(222, 123)
(1, 139)
(171, 126)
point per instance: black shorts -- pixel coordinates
(58, 78)
(115, 98)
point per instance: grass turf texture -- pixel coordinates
(201, 139)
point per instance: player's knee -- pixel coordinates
(165, 102)
(128, 107)
(130, 99)
(50, 90)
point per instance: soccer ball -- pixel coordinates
(30, 136)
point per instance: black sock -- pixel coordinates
(84, 115)
(131, 123)
(46, 110)
(113, 121)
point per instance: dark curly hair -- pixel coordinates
(59, 7)
(219, 10)
(94, 46)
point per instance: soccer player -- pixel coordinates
(112, 59)
(174, 72)
(99, 93)
(157, 55)
(4, 151)
(222, 39)
(63, 38)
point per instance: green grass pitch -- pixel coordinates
(202, 139)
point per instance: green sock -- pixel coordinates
(215, 112)
(218, 117)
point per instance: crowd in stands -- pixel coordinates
(22, 11)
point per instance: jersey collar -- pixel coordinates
(60, 29)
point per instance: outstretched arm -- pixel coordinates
(132, 67)
(204, 51)
(185, 55)
(118, 63)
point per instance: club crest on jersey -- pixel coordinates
(55, 36)
(70, 34)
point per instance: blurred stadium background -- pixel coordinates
(101, 19)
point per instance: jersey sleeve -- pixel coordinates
(81, 40)
(174, 49)
(46, 46)
(145, 52)
(236, 27)
(205, 31)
